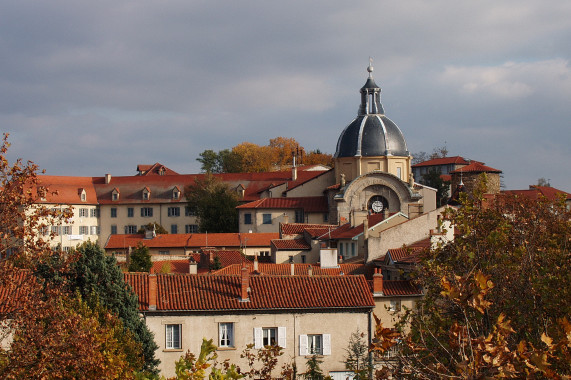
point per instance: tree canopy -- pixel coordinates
(498, 297)
(249, 157)
(140, 260)
(214, 203)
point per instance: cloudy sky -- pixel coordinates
(95, 87)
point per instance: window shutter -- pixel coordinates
(303, 345)
(258, 338)
(282, 337)
(326, 344)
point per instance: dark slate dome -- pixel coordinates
(371, 133)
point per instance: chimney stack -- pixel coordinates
(107, 179)
(378, 283)
(292, 268)
(245, 284)
(309, 270)
(286, 218)
(192, 266)
(152, 292)
(256, 262)
(366, 228)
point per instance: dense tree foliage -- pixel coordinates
(498, 297)
(433, 179)
(47, 330)
(159, 230)
(438, 152)
(140, 260)
(249, 157)
(215, 205)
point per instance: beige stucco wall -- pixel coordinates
(205, 325)
(389, 318)
(405, 233)
(278, 216)
(315, 187)
(71, 240)
(160, 215)
(354, 167)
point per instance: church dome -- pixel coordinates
(371, 133)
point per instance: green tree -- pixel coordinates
(498, 297)
(314, 371)
(433, 179)
(357, 358)
(159, 230)
(140, 259)
(215, 205)
(95, 274)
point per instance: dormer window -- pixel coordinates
(162, 170)
(146, 194)
(115, 194)
(176, 193)
(82, 195)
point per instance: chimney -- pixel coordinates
(286, 218)
(366, 228)
(245, 284)
(294, 173)
(256, 262)
(292, 268)
(309, 270)
(192, 266)
(107, 179)
(152, 292)
(378, 283)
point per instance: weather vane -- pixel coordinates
(370, 68)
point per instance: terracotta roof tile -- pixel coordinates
(475, 167)
(308, 204)
(193, 240)
(296, 244)
(398, 288)
(443, 161)
(298, 228)
(299, 269)
(534, 192)
(201, 293)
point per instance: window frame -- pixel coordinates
(174, 229)
(146, 212)
(113, 212)
(248, 218)
(130, 212)
(307, 340)
(226, 335)
(266, 218)
(173, 336)
(173, 211)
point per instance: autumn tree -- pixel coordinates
(254, 158)
(47, 331)
(498, 297)
(284, 149)
(140, 259)
(214, 203)
(316, 157)
(159, 230)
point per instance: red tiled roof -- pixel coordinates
(285, 244)
(443, 161)
(154, 169)
(446, 177)
(227, 257)
(193, 240)
(13, 288)
(475, 167)
(299, 269)
(308, 204)
(411, 253)
(534, 192)
(398, 288)
(345, 232)
(202, 293)
(67, 190)
(298, 228)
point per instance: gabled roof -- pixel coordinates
(535, 192)
(193, 240)
(443, 161)
(223, 292)
(155, 169)
(476, 167)
(299, 269)
(308, 204)
(409, 254)
(67, 190)
(398, 288)
(299, 228)
(291, 244)
(345, 232)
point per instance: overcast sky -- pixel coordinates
(95, 87)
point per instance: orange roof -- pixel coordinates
(295, 244)
(308, 204)
(443, 161)
(476, 167)
(398, 288)
(534, 192)
(193, 240)
(410, 253)
(227, 258)
(67, 190)
(298, 228)
(211, 293)
(299, 269)
(155, 169)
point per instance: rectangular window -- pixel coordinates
(174, 229)
(248, 218)
(315, 344)
(353, 249)
(226, 334)
(303, 259)
(174, 211)
(341, 249)
(325, 218)
(94, 230)
(189, 211)
(113, 212)
(270, 336)
(83, 212)
(146, 211)
(299, 216)
(172, 338)
(94, 213)
(130, 229)
(399, 172)
(56, 230)
(164, 252)
(394, 305)
(130, 212)
(83, 230)
(191, 228)
(267, 218)
(113, 229)
(66, 230)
